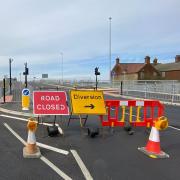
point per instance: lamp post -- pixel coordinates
(10, 82)
(20, 80)
(20, 77)
(62, 67)
(110, 18)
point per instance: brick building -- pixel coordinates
(135, 71)
(169, 71)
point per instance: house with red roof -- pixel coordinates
(135, 71)
(169, 71)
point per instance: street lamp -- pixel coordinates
(62, 67)
(20, 80)
(10, 83)
(110, 18)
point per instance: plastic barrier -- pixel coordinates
(139, 106)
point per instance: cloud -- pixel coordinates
(38, 31)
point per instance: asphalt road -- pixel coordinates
(109, 156)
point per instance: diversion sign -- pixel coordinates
(50, 103)
(87, 102)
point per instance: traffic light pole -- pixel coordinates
(4, 90)
(97, 73)
(25, 74)
(10, 79)
(96, 82)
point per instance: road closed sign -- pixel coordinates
(50, 103)
(87, 102)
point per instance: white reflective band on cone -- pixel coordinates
(154, 135)
(31, 138)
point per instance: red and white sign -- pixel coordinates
(50, 103)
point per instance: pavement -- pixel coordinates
(109, 156)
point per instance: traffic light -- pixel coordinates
(26, 71)
(96, 71)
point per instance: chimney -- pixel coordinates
(177, 59)
(155, 61)
(117, 60)
(147, 60)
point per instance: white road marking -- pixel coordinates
(174, 128)
(13, 117)
(44, 159)
(15, 112)
(82, 166)
(59, 128)
(15, 134)
(26, 120)
(55, 168)
(168, 126)
(52, 148)
(61, 151)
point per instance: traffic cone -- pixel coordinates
(31, 150)
(153, 148)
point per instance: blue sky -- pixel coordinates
(38, 31)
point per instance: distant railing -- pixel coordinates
(166, 90)
(163, 90)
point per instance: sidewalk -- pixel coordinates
(7, 99)
(15, 107)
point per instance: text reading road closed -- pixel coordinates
(87, 102)
(50, 102)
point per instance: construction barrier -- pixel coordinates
(118, 114)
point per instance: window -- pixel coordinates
(154, 74)
(163, 74)
(142, 75)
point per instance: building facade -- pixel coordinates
(134, 71)
(170, 71)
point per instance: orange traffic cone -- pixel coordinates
(153, 148)
(31, 150)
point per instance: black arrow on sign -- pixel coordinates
(91, 106)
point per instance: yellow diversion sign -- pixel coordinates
(87, 102)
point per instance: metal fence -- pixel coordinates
(163, 90)
(7, 90)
